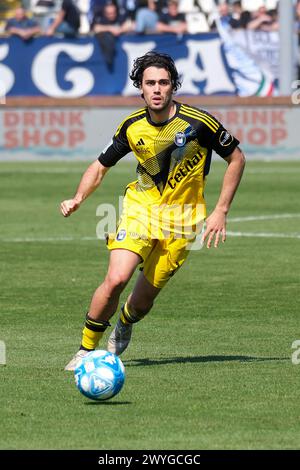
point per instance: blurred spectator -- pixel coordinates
(172, 21)
(95, 7)
(146, 17)
(224, 15)
(125, 7)
(239, 17)
(130, 7)
(275, 17)
(22, 26)
(263, 20)
(67, 20)
(108, 25)
(110, 19)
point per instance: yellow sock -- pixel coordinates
(92, 333)
(90, 339)
(125, 316)
(128, 317)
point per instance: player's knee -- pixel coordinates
(115, 282)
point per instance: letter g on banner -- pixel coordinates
(44, 70)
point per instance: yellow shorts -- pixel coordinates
(160, 258)
(162, 246)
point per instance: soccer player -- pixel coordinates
(164, 208)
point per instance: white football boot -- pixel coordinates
(75, 359)
(119, 338)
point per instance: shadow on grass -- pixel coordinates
(107, 403)
(199, 359)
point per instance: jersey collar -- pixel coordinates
(160, 124)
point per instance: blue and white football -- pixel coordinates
(100, 375)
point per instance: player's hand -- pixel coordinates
(215, 229)
(69, 206)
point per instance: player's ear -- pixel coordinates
(141, 90)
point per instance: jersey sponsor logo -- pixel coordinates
(184, 170)
(121, 235)
(180, 139)
(225, 139)
(137, 236)
(140, 142)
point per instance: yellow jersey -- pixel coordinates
(173, 158)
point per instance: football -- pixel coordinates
(100, 375)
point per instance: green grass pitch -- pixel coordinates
(209, 368)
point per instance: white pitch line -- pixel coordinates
(264, 235)
(72, 239)
(42, 172)
(266, 171)
(263, 217)
(230, 233)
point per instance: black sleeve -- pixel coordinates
(116, 149)
(224, 143)
(214, 136)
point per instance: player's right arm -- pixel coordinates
(90, 180)
(117, 148)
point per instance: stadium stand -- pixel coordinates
(172, 21)
(199, 14)
(7, 8)
(44, 10)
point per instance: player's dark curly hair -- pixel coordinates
(154, 59)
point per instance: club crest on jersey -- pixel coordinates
(225, 139)
(180, 139)
(121, 235)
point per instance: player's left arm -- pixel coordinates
(216, 222)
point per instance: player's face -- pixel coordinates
(157, 89)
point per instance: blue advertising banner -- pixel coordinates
(64, 68)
